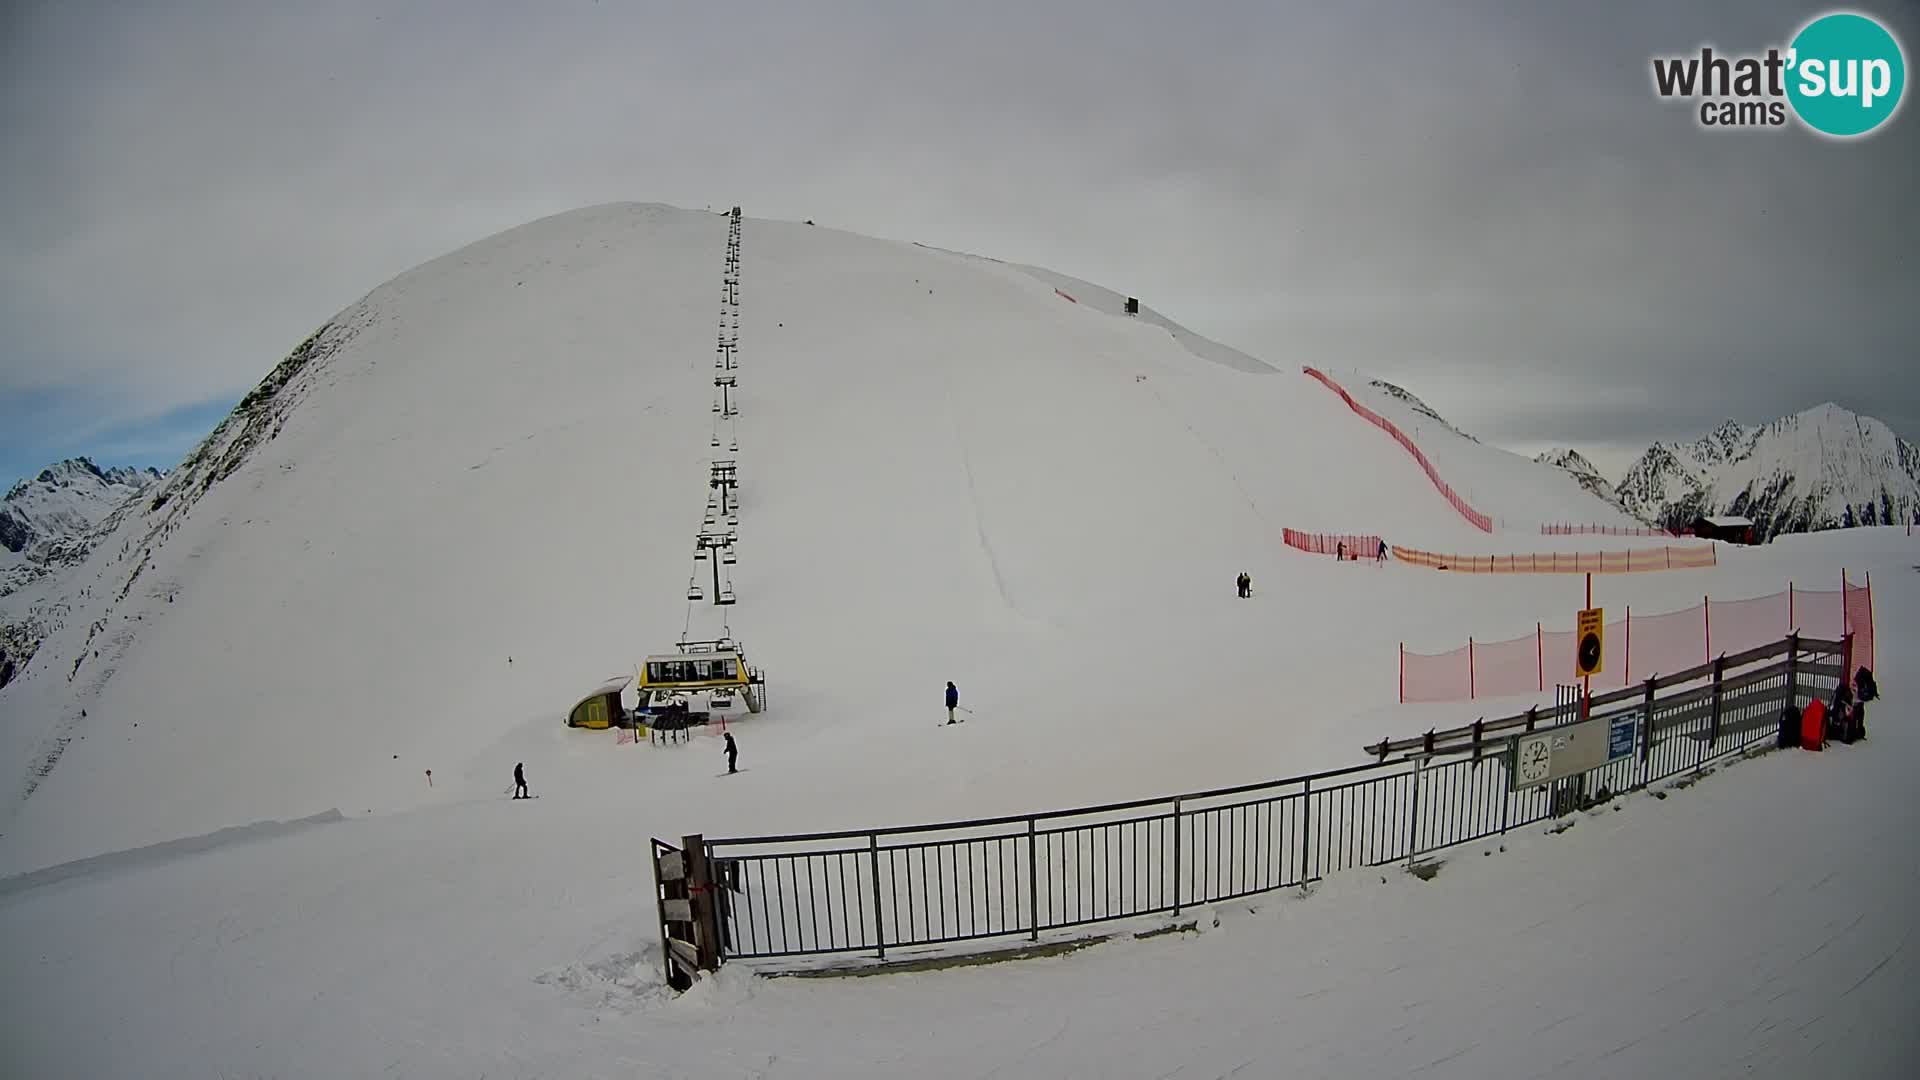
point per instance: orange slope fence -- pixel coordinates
(1564, 562)
(1643, 646)
(1558, 528)
(1331, 543)
(1478, 519)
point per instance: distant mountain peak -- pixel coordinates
(1820, 468)
(64, 502)
(1582, 470)
(1419, 406)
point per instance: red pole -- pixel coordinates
(1472, 688)
(1403, 673)
(1870, 611)
(1540, 656)
(1706, 609)
(1586, 684)
(1626, 677)
(1790, 622)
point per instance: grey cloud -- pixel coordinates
(1484, 202)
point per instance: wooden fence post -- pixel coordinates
(1713, 729)
(1793, 671)
(706, 929)
(1646, 737)
(879, 925)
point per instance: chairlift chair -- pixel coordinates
(727, 557)
(725, 597)
(693, 591)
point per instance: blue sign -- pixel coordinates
(1620, 736)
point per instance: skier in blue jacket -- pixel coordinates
(953, 701)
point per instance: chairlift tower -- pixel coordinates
(721, 543)
(725, 478)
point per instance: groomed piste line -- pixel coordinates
(1474, 517)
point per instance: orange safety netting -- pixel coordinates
(1858, 603)
(1562, 529)
(1639, 647)
(1635, 561)
(1356, 546)
(1478, 519)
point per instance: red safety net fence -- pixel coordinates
(1357, 546)
(1564, 562)
(1479, 520)
(1566, 529)
(1640, 647)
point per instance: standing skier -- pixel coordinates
(1340, 552)
(953, 700)
(1382, 557)
(733, 753)
(520, 781)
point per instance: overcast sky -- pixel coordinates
(1483, 202)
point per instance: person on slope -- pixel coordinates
(733, 754)
(1382, 557)
(520, 781)
(953, 701)
(1245, 584)
(1340, 552)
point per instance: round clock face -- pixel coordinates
(1534, 757)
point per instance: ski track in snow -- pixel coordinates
(979, 515)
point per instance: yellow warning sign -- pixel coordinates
(1590, 642)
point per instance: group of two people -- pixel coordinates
(1340, 552)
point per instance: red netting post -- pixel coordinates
(1626, 678)
(1471, 688)
(1870, 644)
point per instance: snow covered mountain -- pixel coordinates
(65, 503)
(1581, 470)
(1419, 407)
(48, 524)
(945, 463)
(1822, 468)
(257, 812)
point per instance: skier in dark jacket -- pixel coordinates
(1383, 552)
(733, 753)
(953, 701)
(520, 781)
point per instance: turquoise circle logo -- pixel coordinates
(1846, 74)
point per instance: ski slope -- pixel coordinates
(948, 471)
